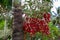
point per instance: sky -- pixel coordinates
(56, 4)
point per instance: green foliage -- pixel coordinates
(47, 0)
(58, 10)
(6, 4)
(1, 24)
(53, 30)
(1, 1)
(9, 23)
(1, 39)
(35, 8)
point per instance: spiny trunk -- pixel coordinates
(18, 33)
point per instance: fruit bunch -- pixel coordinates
(33, 25)
(47, 17)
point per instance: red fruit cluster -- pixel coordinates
(46, 17)
(43, 27)
(33, 25)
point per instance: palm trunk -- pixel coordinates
(18, 33)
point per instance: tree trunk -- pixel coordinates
(18, 33)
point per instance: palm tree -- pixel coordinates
(18, 33)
